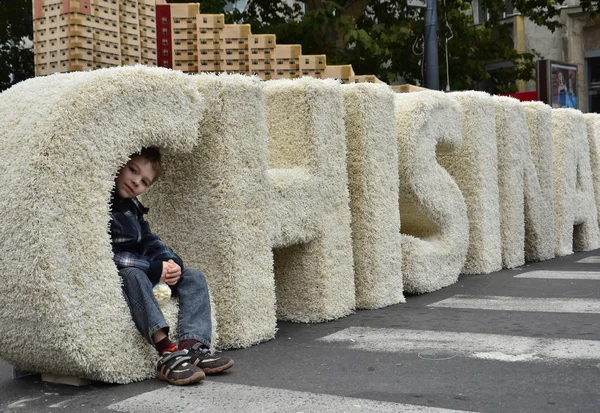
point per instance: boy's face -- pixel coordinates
(135, 177)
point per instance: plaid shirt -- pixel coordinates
(133, 244)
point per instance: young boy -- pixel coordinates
(143, 260)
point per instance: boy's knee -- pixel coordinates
(131, 274)
(193, 276)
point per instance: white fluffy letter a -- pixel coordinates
(575, 214)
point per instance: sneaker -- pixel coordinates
(177, 368)
(210, 364)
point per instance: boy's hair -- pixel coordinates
(152, 155)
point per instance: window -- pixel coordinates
(164, 20)
(165, 42)
(165, 52)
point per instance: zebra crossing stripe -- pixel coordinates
(561, 275)
(594, 259)
(439, 345)
(550, 305)
(225, 397)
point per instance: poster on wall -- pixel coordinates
(557, 84)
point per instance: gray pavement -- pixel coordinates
(521, 340)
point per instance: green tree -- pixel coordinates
(16, 47)
(385, 38)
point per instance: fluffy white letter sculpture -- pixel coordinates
(593, 127)
(511, 133)
(575, 214)
(435, 227)
(373, 180)
(62, 140)
(310, 216)
(539, 193)
(475, 169)
(212, 207)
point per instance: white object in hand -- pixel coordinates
(162, 293)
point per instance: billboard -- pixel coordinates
(557, 84)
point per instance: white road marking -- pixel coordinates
(561, 275)
(594, 259)
(21, 403)
(224, 397)
(550, 305)
(472, 345)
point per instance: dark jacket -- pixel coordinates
(133, 244)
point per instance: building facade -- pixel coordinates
(576, 43)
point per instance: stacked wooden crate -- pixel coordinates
(313, 65)
(234, 48)
(287, 61)
(210, 27)
(261, 48)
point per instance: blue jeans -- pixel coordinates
(194, 320)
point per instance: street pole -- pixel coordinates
(432, 70)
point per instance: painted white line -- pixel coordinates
(549, 305)
(594, 259)
(437, 344)
(224, 397)
(561, 275)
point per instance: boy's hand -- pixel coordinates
(173, 272)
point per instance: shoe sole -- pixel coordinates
(219, 369)
(194, 378)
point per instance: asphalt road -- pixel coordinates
(521, 340)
